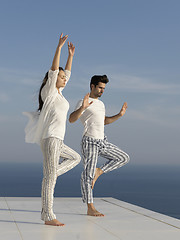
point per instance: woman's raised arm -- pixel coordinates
(71, 50)
(56, 59)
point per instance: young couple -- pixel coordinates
(46, 127)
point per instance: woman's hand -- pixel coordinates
(71, 49)
(62, 40)
(56, 59)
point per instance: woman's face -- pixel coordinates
(61, 79)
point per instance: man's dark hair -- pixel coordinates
(99, 78)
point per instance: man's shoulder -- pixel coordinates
(79, 103)
(100, 102)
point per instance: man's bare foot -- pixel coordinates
(98, 173)
(54, 222)
(93, 212)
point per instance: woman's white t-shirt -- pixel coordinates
(51, 121)
(93, 118)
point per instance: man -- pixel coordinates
(91, 112)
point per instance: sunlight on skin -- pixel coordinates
(98, 173)
(54, 222)
(93, 212)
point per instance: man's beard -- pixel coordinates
(98, 95)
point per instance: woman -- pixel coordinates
(47, 128)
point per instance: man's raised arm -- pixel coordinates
(112, 119)
(74, 116)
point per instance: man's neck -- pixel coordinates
(92, 96)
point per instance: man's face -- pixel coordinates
(98, 90)
(61, 79)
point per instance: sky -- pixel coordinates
(136, 43)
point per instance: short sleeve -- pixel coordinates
(79, 104)
(50, 86)
(68, 74)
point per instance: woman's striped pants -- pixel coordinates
(91, 149)
(53, 149)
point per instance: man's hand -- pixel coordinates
(123, 109)
(111, 119)
(71, 49)
(74, 116)
(86, 103)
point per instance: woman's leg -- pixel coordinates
(51, 150)
(70, 160)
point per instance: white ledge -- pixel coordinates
(20, 219)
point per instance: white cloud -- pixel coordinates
(139, 84)
(157, 114)
(16, 76)
(122, 78)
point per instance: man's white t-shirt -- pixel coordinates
(93, 118)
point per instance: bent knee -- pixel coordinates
(77, 158)
(124, 158)
(127, 158)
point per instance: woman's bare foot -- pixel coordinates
(98, 173)
(93, 212)
(54, 222)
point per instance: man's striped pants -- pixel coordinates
(91, 149)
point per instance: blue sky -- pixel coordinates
(135, 43)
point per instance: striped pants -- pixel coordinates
(53, 149)
(91, 149)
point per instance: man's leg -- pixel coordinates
(90, 150)
(117, 158)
